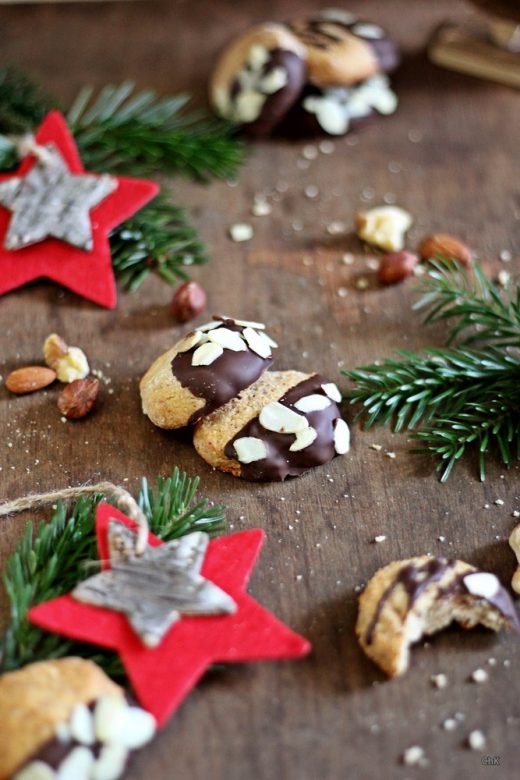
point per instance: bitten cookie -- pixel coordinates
(336, 110)
(281, 426)
(410, 598)
(204, 370)
(343, 50)
(67, 715)
(258, 77)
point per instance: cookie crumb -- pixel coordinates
(311, 191)
(379, 538)
(413, 756)
(450, 724)
(376, 447)
(439, 680)
(390, 455)
(347, 258)
(241, 231)
(479, 675)
(516, 513)
(498, 502)
(506, 256)
(476, 740)
(261, 208)
(342, 292)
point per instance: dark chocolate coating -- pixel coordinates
(223, 379)
(277, 104)
(280, 462)
(412, 578)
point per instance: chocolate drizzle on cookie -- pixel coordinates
(280, 461)
(224, 378)
(416, 578)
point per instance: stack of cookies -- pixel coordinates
(253, 423)
(322, 74)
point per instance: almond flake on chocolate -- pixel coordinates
(229, 339)
(139, 728)
(82, 725)
(209, 326)
(483, 584)
(257, 342)
(110, 763)
(312, 403)
(303, 439)
(189, 341)
(280, 419)
(36, 770)
(248, 324)
(275, 80)
(341, 437)
(366, 30)
(250, 449)
(331, 389)
(77, 764)
(206, 354)
(109, 718)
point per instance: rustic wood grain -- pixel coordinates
(453, 146)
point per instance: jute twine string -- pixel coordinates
(124, 501)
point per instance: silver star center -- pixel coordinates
(50, 201)
(156, 588)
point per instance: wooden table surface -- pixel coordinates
(450, 155)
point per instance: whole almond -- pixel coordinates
(188, 302)
(77, 399)
(396, 266)
(29, 379)
(445, 246)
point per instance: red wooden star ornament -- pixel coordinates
(82, 263)
(163, 675)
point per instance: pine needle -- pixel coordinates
(52, 558)
(458, 397)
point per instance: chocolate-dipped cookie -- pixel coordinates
(343, 50)
(336, 110)
(283, 425)
(410, 598)
(66, 718)
(204, 370)
(258, 77)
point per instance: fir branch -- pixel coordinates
(459, 397)
(142, 134)
(158, 238)
(51, 559)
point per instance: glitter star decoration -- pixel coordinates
(155, 588)
(162, 676)
(52, 202)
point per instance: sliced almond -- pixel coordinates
(209, 326)
(280, 419)
(139, 728)
(341, 437)
(257, 342)
(206, 354)
(82, 725)
(330, 389)
(482, 583)
(189, 341)
(77, 765)
(229, 339)
(312, 403)
(111, 763)
(248, 324)
(109, 718)
(249, 449)
(36, 770)
(303, 439)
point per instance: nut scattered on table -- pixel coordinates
(514, 543)
(77, 398)
(69, 363)
(189, 300)
(29, 379)
(384, 227)
(446, 246)
(396, 266)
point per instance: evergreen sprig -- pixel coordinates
(53, 557)
(159, 239)
(461, 396)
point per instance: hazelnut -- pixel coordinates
(445, 246)
(188, 302)
(396, 266)
(77, 398)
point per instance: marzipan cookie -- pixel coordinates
(66, 715)
(408, 599)
(343, 50)
(258, 77)
(283, 425)
(205, 370)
